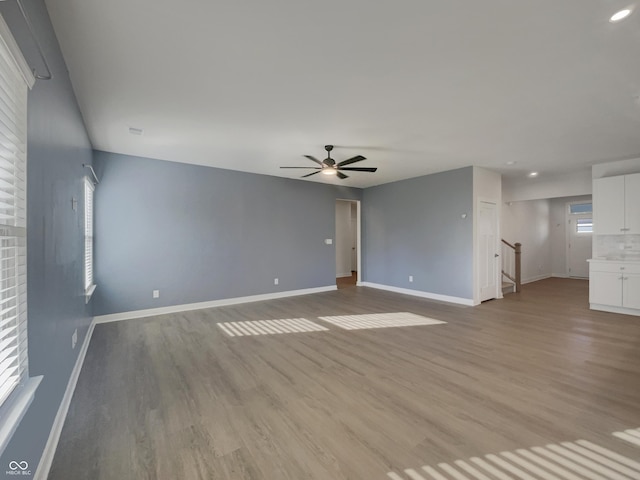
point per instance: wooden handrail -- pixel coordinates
(508, 244)
(517, 278)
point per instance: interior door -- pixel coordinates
(487, 251)
(579, 239)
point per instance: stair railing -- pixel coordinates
(512, 263)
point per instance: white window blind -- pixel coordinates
(88, 236)
(13, 223)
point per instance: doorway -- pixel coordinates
(579, 238)
(487, 250)
(347, 246)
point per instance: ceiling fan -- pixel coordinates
(329, 166)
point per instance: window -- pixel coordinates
(577, 208)
(13, 216)
(89, 286)
(584, 225)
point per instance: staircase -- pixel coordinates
(511, 267)
(508, 287)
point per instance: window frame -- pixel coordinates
(89, 258)
(17, 79)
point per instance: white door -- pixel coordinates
(579, 237)
(487, 251)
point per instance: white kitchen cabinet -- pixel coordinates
(608, 205)
(605, 288)
(632, 203)
(631, 291)
(616, 205)
(614, 286)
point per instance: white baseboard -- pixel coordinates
(418, 293)
(49, 452)
(609, 308)
(559, 275)
(536, 278)
(151, 312)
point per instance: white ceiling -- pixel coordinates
(415, 86)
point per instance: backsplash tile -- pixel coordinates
(617, 246)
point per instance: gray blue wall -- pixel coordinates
(199, 234)
(57, 147)
(414, 227)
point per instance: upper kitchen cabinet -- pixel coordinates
(616, 205)
(632, 203)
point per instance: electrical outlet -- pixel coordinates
(276, 281)
(156, 294)
(74, 339)
(410, 278)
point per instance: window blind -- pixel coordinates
(88, 235)
(13, 223)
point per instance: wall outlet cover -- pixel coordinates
(276, 281)
(156, 294)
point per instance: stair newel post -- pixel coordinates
(518, 252)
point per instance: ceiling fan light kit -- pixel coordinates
(329, 166)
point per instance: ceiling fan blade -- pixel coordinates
(357, 158)
(313, 159)
(341, 175)
(315, 168)
(309, 174)
(360, 169)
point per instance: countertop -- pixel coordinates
(617, 259)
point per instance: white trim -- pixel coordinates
(150, 312)
(536, 278)
(358, 238)
(419, 293)
(46, 459)
(15, 408)
(88, 293)
(559, 275)
(343, 275)
(360, 273)
(23, 67)
(609, 308)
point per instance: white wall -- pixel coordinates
(344, 242)
(558, 227)
(528, 223)
(543, 187)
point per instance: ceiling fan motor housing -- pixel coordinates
(329, 162)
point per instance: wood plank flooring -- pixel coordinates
(174, 397)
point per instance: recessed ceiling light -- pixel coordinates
(511, 162)
(135, 131)
(621, 15)
(533, 174)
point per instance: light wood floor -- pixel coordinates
(173, 397)
(347, 282)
